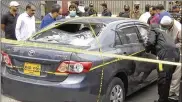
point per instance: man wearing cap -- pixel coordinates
(173, 28)
(91, 10)
(176, 13)
(126, 12)
(136, 12)
(106, 11)
(8, 21)
(176, 9)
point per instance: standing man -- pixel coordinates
(25, 25)
(51, 17)
(173, 28)
(145, 16)
(162, 12)
(60, 16)
(106, 11)
(136, 12)
(92, 11)
(176, 13)
(126, 12)
(8, 21)
(163, 46)
(154, 16)
(86, 13)
(176, 9)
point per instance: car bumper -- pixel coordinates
(38, 91)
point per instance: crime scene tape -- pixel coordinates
(37, 22)
(96, 53)
(102, 72)
(102, 54)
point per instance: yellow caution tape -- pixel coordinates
(37, 22)
(160, 67)
(57, 47)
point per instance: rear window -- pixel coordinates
(70, 34)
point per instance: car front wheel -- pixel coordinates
(115, 91)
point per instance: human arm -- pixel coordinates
(106, 13)
(178, 40)
(150, 41)
(46, 22)
(3, 27)
(3, 22)
(34, 29)
(18, 27)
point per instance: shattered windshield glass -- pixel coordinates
(70, 34)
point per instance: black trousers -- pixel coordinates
(165, 75)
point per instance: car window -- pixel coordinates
(121, 39)
(128, 35)
(70, 34)
(143, 32)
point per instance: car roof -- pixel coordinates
(104, 20)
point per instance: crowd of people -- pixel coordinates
(15, 25)
(22, 26)
(18, 26)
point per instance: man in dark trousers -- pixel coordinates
(106, 11)
(163, 46)
(8, 21)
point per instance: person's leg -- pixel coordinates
(164, 81)
(165, 73)
(175, 84)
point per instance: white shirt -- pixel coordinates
(144, 17)
(25, 26)
(175, 31)
(81, 8)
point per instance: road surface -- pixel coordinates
(148, 94)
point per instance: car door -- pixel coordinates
(123, 46)
(130, 45)
(148, 69)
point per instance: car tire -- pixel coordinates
(115, 84)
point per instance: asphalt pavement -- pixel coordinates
(147, 94)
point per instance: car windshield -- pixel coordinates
(70, 34)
